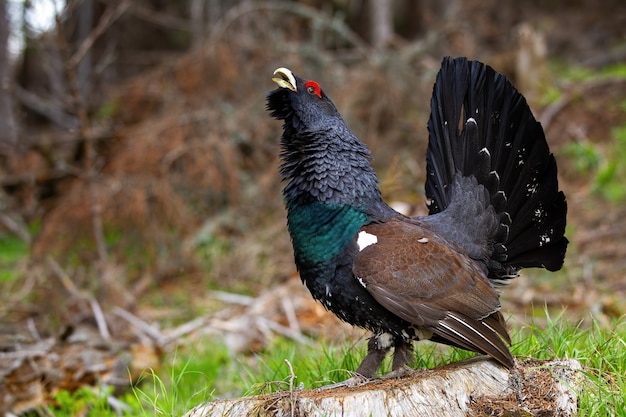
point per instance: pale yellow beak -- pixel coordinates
(284, 79)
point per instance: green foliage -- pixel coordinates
(608, 168)
(570, 73)
(12, 251)
(210, 248)
(605, 165)
(551, 94)
(611, 178)
(91, 402)
(614, 71)
(108, 109)
(585, 156)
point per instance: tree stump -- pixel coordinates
(474, 387)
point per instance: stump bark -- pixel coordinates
(474, 387)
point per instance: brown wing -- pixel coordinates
(421, 279)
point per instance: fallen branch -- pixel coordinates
(147, 329)
(71, 288)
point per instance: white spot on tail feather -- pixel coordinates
(423, 240)
(366, 239)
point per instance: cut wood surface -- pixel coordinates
(474, 387)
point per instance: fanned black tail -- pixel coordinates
(481, 127)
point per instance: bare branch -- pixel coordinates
(100, 319)
(46, 108)
(161, 19)
(321, 20)
(65, 279)
(107, 19)
(16, 226)
(147, 329)
(232, 298)
(573, 92)
(186, 328)
(74, 291)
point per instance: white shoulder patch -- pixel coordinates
(365, 239)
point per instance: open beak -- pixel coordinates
(284, 79)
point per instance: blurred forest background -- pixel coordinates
(140, 204)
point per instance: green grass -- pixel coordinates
(207, 372)
(601, 351)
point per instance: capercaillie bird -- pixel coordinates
(494, 208)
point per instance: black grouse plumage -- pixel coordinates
(494, 207)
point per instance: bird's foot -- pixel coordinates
(358, 379)
(352, 382)
(399, 373)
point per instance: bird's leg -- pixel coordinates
(377, 348)
(376, 351)
(401, 355)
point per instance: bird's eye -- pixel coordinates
(313, 88)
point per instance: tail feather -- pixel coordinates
(482, 127)
(487, 335)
